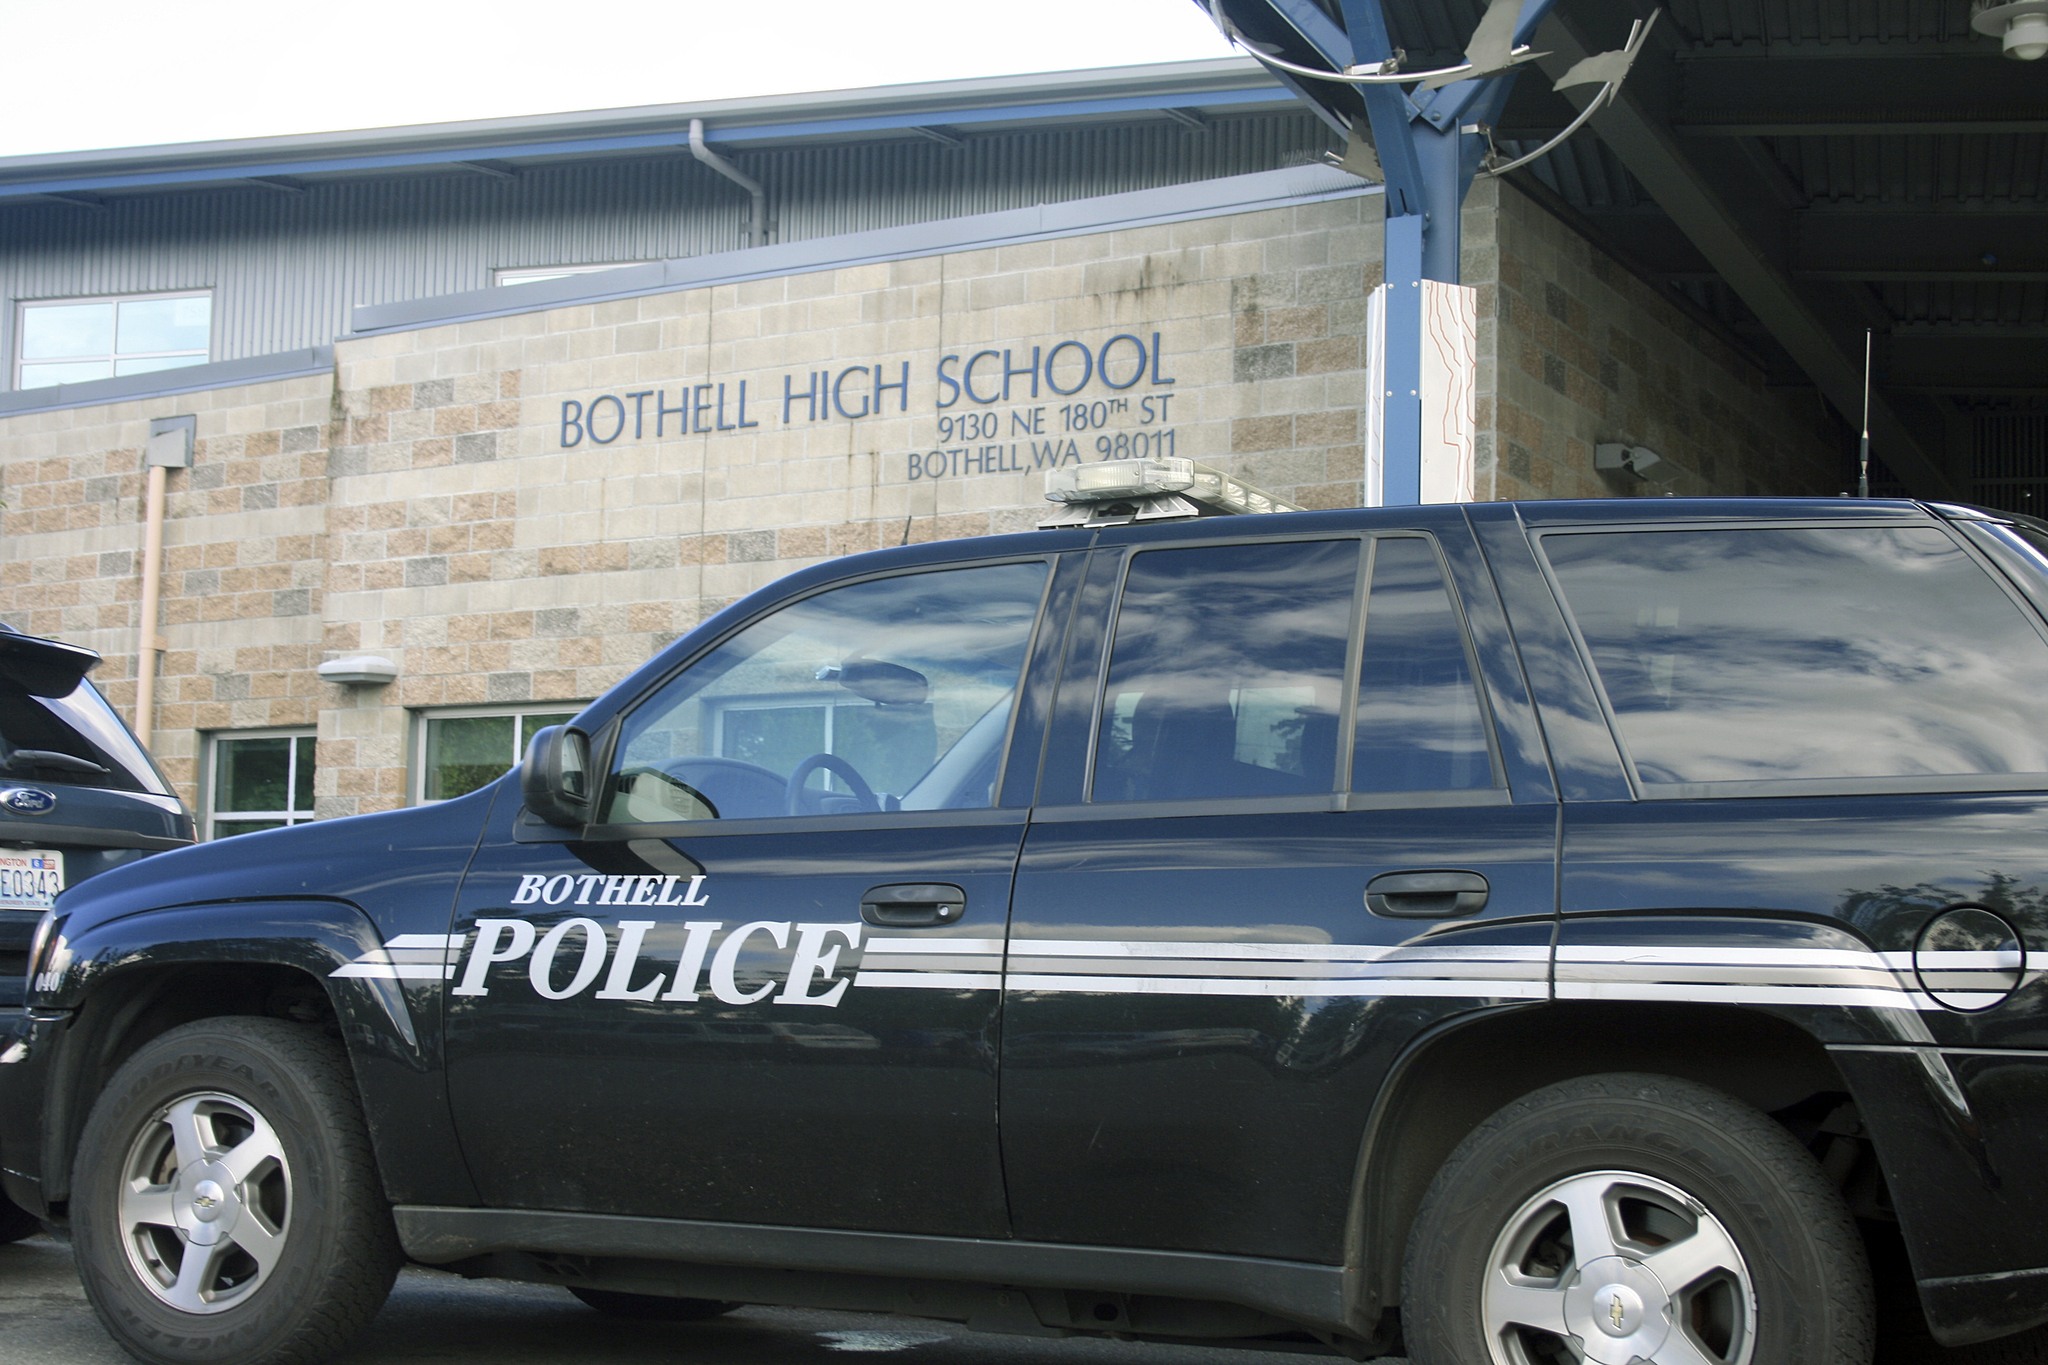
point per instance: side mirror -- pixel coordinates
(554, 777)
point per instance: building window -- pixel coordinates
(535, 274)
(261, 780)
(462, 750)
(67, 341)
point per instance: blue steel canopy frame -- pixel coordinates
(1429, 149)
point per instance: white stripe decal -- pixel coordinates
(1695, 973)
(1680, 954)
(1209, 985)
(932, 981)
(934, 945)
(1732, 994)
(1304, 971)
(397, 971)
(1281, 952)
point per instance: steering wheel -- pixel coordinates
(674, 798)
(739, 789)
(801, 802)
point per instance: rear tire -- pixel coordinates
(226, 1207)
(651, 1307)
(1624, 1217)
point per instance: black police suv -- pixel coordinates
(78, 795)
(1504, 934)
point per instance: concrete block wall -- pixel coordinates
(244, 554)
(423, 503)
(1576, 350)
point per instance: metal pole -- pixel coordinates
(1863, 459)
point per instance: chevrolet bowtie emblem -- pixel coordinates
(207, 1201)
(1614, 1311)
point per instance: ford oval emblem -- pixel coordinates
(28, 800)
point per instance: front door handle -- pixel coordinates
(1426, 895)
(909, 905)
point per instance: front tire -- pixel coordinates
(226, 1207)
(1616, 1218)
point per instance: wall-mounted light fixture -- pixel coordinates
(1612, 457)
(359, 670)
(2020, 25)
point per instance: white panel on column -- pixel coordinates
(1374, 493)
(1450, 381)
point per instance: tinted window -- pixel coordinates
(893, 694)
(1767, 654)
(1226, 676)
(80, 726)
(1419, 723)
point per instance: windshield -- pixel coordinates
(80, 727)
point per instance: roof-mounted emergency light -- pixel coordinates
(1113, 492)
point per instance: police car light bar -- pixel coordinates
(1111, 492)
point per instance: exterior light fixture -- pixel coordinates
(1612, 457)
(359, 670)
(2021, 25)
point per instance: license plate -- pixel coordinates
(30, 878)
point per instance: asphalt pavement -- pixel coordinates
(437, 1317)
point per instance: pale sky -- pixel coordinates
(123, 73)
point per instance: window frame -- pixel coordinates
(1737, 788)
(23, 307)
(422, 717)
(211, 814)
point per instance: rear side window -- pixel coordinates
(1419, 723)
(1788, 654)
(1226, 676)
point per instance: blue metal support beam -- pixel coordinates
(1392, 114)
(1429, 160)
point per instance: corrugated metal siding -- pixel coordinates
(286, 268)
(2008, 453)
(1971, 168)
(1743, 22)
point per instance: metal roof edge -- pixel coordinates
(1134, 208)
(219, 374)
(1048, 94)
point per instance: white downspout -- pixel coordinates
(150, 644)
(170, 447)
(757, 223)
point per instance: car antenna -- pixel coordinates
(1863, 458)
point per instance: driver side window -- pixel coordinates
(889, 694)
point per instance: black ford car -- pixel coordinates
(1514, 934)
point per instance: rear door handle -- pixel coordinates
(1426, 895)
(909, 905)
